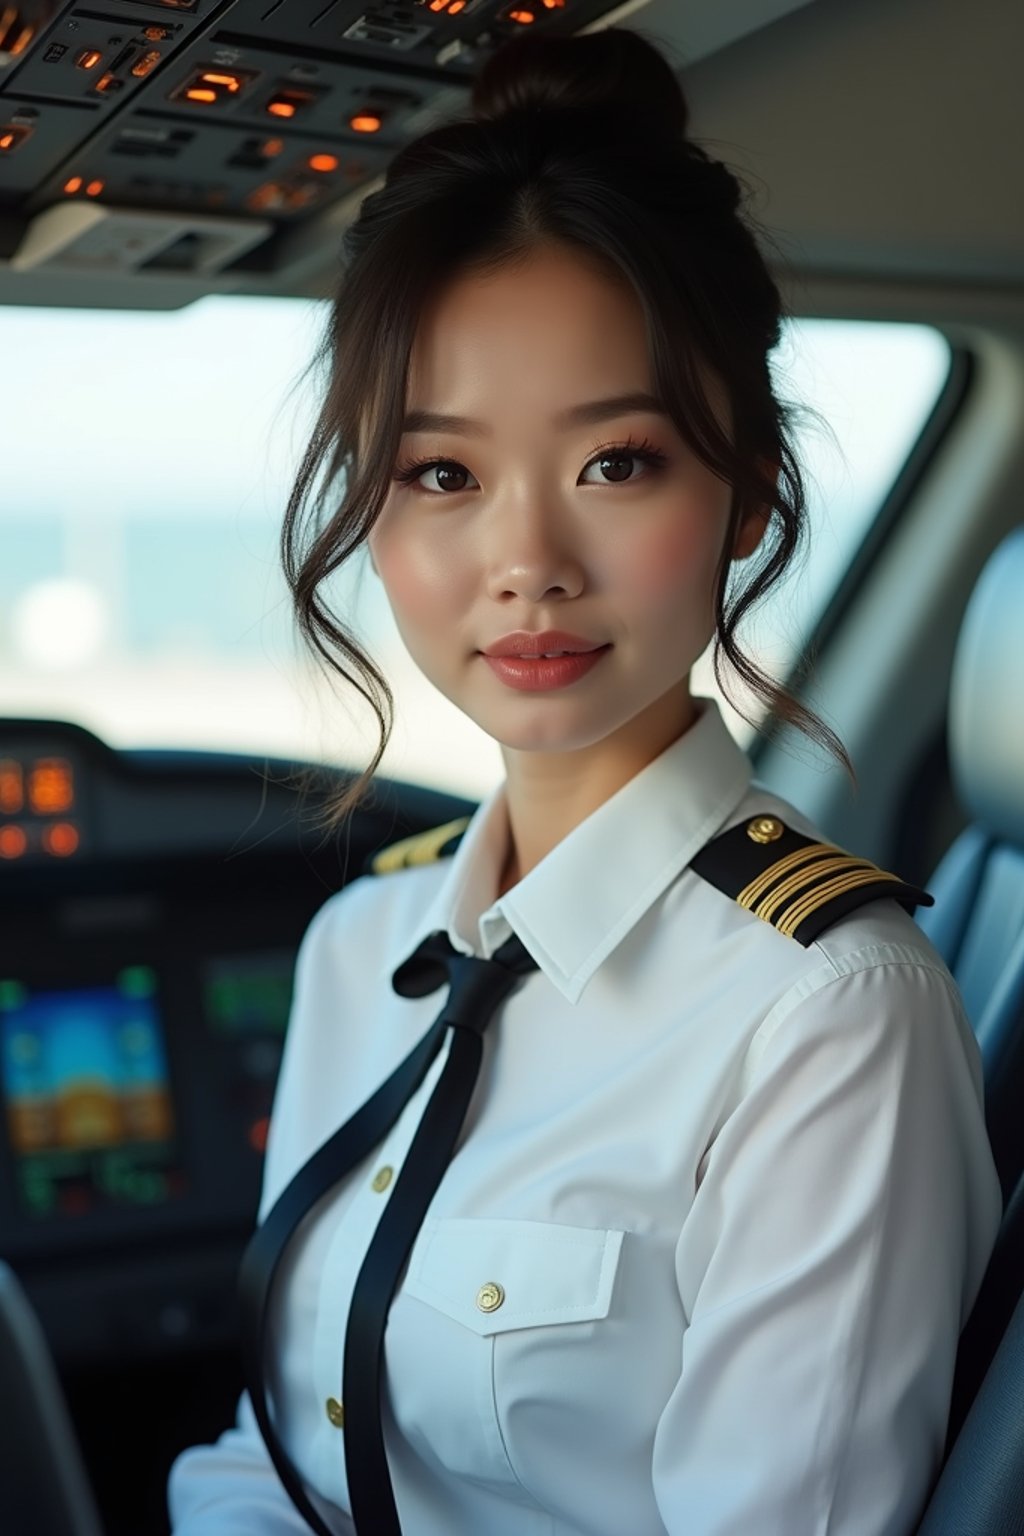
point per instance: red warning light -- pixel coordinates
(13, 842)
(51, 787)
(61, 839)
(258, 1133)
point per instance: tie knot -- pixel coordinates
(477, 986)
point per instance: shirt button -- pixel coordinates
(382, 1178)
(490, 1296)
(336, 1412)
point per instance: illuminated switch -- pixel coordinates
(365, 122)
(212, 87)
(146, 64)
(51, 788)
(12, 789)
(291, 102)
(12, 138)
(88, 58)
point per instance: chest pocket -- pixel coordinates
(496, 1276)
(493, 1316)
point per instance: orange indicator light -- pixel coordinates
(197, 95)
(73, 186)
(323, 162)
(61, 839)
(456, 6)
(272, 147)
(364, 122)
(12, 789)
(88, 58)
(523, 17)
(13, 842)
(232, 82)
(50, 786)
(6, 140)
(94, 188)
(281, 109)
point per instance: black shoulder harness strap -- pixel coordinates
(798, 885)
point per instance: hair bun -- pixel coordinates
(612, 70)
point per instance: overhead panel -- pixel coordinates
(267, 111)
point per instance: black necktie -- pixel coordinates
(477, 988)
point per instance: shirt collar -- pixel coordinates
(594, 886)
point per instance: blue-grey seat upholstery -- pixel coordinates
(977, 923)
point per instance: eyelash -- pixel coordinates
(645, 451)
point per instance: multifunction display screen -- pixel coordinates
(86, 1094)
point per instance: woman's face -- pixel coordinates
(536, 520)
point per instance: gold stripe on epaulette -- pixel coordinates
(814, 900)
(421, 848)
(806, 881)
(757, 887)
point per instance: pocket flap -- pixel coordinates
(493, 1276)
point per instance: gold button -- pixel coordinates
(382, 1178)
(490, 1296)
(336, 1412)
(765, 829)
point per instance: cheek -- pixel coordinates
(417, 575)
(674, 562)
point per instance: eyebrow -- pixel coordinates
(587, 414)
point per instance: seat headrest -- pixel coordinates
(986, 706)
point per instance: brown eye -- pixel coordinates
(450, 477)
(621, 464)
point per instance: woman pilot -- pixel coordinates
(628, 1170)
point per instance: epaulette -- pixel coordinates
(421, 848)
(798, 885)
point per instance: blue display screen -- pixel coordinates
(87, 1096)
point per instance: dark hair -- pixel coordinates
(579, 142)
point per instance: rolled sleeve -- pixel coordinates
(832, 1252)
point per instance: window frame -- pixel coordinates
(949, 402)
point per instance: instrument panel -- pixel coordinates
(146, 970)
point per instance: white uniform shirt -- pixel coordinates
(738, 1194)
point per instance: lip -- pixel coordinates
(540, 676)
(522, 641)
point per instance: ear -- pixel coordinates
(750, 533)
(751, 530)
